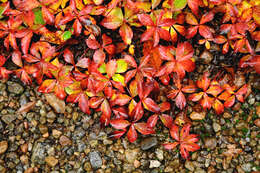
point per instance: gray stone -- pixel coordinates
(216, 127)
(247, 167)
(148, 143)
(159, 154)
(95, 159)
(38, 153)
(189, 165)
(154, 164)
(7, 119)
(15, 88)
(210, 143)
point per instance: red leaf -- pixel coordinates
(166, 120)
(218, 107)
(194, 6)
(119, 123)
(47, 16)
(132, 134)
(25, 42)
(2, 60)
(151, 105)
(84, 103)
(145, 19)
(152, 120)
(17, 59)
(204, 82)
(111, 67)
(180, 100)
(68, 56)
(207, 17)
(205, 31)
(170, 146)
(143, 128)
(117, 134)
(174, 131)
(126, 33)
(92, 42)
(137, 112)
(230, 102)
(99, 56)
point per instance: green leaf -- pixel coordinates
(180, 4)
(102, 68)
(119, 78)
(38, 19)
(121, 66)
(67, 35)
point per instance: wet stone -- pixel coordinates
(15, 88)
(148, 143)
(57, 104)
(154, 164)
(210, 143)
(51, 161)
(95, 159)
(189, 165)
(216, 127)
(38, 153)
(7, 119)
(3, 146)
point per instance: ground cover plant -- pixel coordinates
(132, 53)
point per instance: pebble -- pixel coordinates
(197, 115)
(189, 165)
(257, 122)
(148, 143)
(227, 115)
(159, 154)
(246, 167)
(131, 155)
(216, 127)
(15, 88)
(38, 153)
(95, 159)
(154, 164)
(56, 133)
(64, 140)
(206, 57)
(210, 143)
(3, 146)
(51, 161)
(7, 119)
(57, 104)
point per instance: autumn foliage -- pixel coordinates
(136, 57)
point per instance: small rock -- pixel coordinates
(131, 155)
(95, 159)
(154, 164)
(227, 115)
(257, 122)
(189, 165)
(43, 129)
(51, 161)
(7, 119)
(56, 133)
(199, 170)
(148, 143)
(246, 167)
(240, 79)
(241, 125)
(51, 116)
(206, 57)
(64, 140)
(210, 143)
(3, 146)
(24, 148)
(15, 88)
(38, 153)
(159, 154)
(216, 127)
(258, 111)
(197, 115)
(137, 164)
(57, 104)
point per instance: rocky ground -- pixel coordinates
(49, 136)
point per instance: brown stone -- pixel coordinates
(57, 104)
(51, 161)
(197, 115)
(3, 146)
(64, 140)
